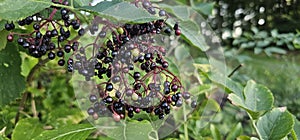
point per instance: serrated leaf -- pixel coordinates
(19, 9)
(190, 30)
(257, 99)
(22, 132)
(236, 131)
(121, 12)
(3, 39)
(205, 8)
(12, 83)
(68, 132)
(134, 130)
(275, 124)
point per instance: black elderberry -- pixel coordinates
(38, 35)
(102, 34)
(36, 26)
(168, 31)
(60, 53)
(136, 75)
(51, 55)
(174, 87)
(48, 34)
(54, 33)
(81, 32)
(176, 26)
(161, 116)
(146, 4)
(148, 56)
(109, 87)
(65, 17)
(162, 13)
(93, 98)
(61, 38)
(193, 104)
(108, 100)
(167, 90)
(9, 26)
(61, 62)
(64, 11)
(107, 60)
(21, 22)
(179, 102)
(67, 48)
(76, 26)
(165, 64)
(129, 92)
(116, 79)
(186, 95)
(141, 59)
(21, 41)
(26, 45)
(91, 111)
(29, 20)
(118, 94)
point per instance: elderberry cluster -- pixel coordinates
(51, 33)
(133, 67)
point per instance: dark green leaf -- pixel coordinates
(18, 9)
(3, 39)
(191, 32)
(121, 12)
(215, 132)
(205, 8)
(2, 23)
(12, 83)
(131, 130)
(79, 3)
(68, 132)
(22, 132)
(275, 125)
(257, 99)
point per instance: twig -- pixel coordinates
(236, 69)
(29, 82)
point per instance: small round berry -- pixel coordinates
(61, 38)
(148, 56)
(162, 13)
(64, 11)
(120, 30)
(54, 32)
(186, 95)
(179, 103)
(51, 55)
(36, 26)
(10, 37)
(109, 87)
(21, 22)
(130, 114)
(151, 10)
(21, 41)
(174, 88)
(67, 48)
(168, 31)
(129, 92)
(116, 79)
(60, 53)
(176, 26)
(167, 90)
(161, 116)
(136, 75)
(102, 34)
(91, 111)
(146, 4)
(165, 64)
(167, 84)
(134, 96)
(116, 117)
(108, 100)
(61, 62)
(193, 104)
(93, 98)
(8, 27)
(29, 20)
(81, 32)
(26, 45)
(178, 32)
(76, 26)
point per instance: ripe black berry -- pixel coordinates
(36, 26)
(93, 98)
(116, 79)
(162, 13)
(29, 20)
(174, 88)
(81, 32)
(193, 104)
(61, 62)
(108, 100)
(109, 87)
(60, 53)
(165, 64)
(51, 55)
(136, 75)
(21, 41)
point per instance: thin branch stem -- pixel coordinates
(235, 70)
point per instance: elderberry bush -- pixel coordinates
(125, 61)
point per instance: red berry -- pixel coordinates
(10, 38)
(178, 32)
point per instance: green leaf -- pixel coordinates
(235, 132)
(277, 50)
(257, 99)
(12, 83)
(121, 12)
(131, 130)
(22, 132)
(275, 124)
(181, 53)
(215, 132)
(2, 23)
(79, 3)
(191, 32)
(297, 128)
(205, 8)
(19, 9)
(3, 39)
(28, 63)
(68, 132)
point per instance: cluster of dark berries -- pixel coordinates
(49, 36)
(134, 69)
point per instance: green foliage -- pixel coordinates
(59, 117)
(21, 8)
(269, 43)
(11, 86)
(121, 12)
